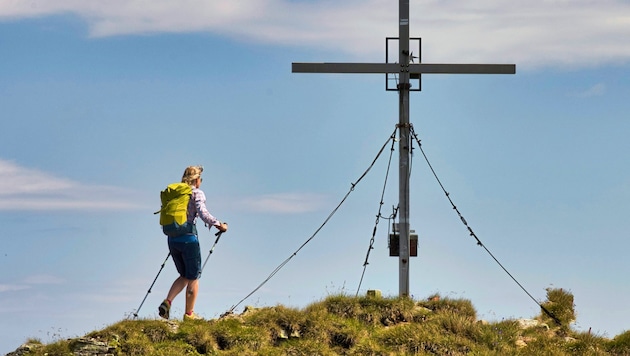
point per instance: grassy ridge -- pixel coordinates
(344, 325)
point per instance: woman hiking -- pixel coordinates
(185, 248)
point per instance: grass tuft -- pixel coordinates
(620, 345)
(560, 304)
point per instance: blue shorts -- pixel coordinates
(186, 255)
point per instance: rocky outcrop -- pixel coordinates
(25, 349)
(80, 347)
(531, 323)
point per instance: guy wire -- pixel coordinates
(353, 185)
(378, 216)
(472, 233)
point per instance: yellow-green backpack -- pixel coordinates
(173, 214)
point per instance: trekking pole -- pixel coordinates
(135, 315)
(218, 235)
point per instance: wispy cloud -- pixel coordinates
(285, 203)
(29, 189)
(43, 279)
(12, 287)
(30, 282)
(598, 89)
(530, 33)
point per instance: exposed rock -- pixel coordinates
(249, 310)
(283, 334)
(231, 315)
(531, 323)
(80, 347)
(172, 324)
(421, 309)
(286, 334)
(520, 342)
(25, 349)
(91, 347)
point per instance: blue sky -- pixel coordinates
(104, 103)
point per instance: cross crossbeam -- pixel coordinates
(417, 68)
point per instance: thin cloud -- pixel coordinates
(32, 281)
(43, 279)
(12, 287)
(532, 34)
(26, 189)
(598, 89)
(114, 291)
(285, 203)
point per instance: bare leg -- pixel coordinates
(179, 285)
(191, 295)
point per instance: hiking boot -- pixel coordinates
(165, 309)
(192, 316)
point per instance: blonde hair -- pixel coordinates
(191, 174)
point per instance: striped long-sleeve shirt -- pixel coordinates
(197, 208)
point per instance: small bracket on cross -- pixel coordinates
(391, 79)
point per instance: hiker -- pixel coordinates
(185, 248)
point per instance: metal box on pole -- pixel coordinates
(394, 242)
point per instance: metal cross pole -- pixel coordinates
(405, 71)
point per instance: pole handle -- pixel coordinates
(218, 234)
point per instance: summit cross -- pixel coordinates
(405, 70)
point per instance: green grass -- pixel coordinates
(347, 325)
